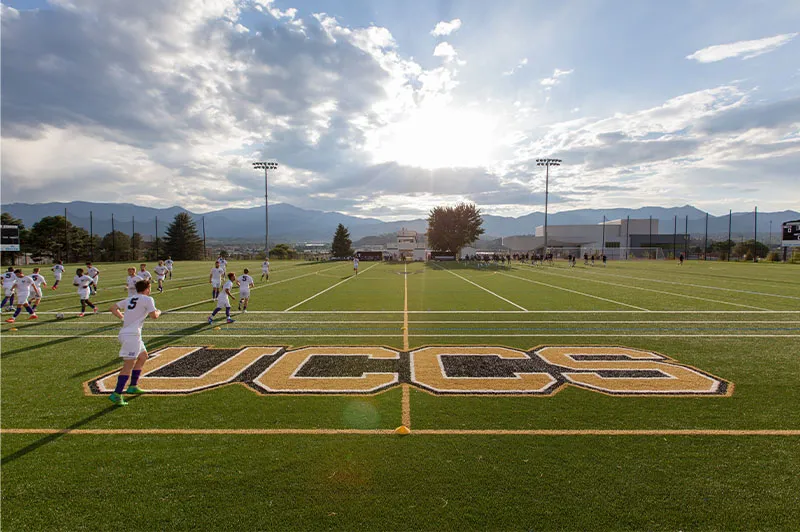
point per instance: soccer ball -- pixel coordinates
(60, 316)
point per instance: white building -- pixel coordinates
(410, 245)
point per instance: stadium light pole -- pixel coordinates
(547, 163)
(266, 166)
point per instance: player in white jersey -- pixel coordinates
(169, 264)
(136, 309)
(143, 273)
(23, 286)
(265, 270)
(84, 284)
(130, 283)
(58, 271)
(223, 263)
(40, 281)
(245, 283)
(215, 278)
(8, 289)
(161, 274)
(94, 273)
(355, 265)
(222, 299)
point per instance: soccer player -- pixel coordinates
(58, 271)
(143, 273)
(169, 263)
(223, 263)
(8, 289)
(161, 274)
(94, 273)
(245, 283)
(215, 278)
(130, 283)
(681, 260)
(222, 299)
(136, 309)
(355, 265)
(23, 285)
(84, 283)
(40, 281)
(265, 270)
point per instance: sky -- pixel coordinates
(386, 109)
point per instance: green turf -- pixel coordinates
(707, 315)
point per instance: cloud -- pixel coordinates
(445, 50)
(748, 49)
(555, 79)
(446, 28)
(522, 63)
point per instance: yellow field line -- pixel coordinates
(425, 432)
(406, 401)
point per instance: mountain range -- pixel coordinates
(288, 223)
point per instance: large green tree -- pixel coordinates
(452, 228)
(342, 246)
(58, 238)
(115, 246)
(745, 249)
(181, 240)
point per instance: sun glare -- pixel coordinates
(438, 138)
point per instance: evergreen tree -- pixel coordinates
(48, 237)
(115, 246)
(452, 228)
(342, 246)
(181, 239)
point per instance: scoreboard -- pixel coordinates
(791, 234)
(9, 238)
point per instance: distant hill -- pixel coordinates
(292, 224)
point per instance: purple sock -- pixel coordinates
(135, 376)
(228, 312)
(16, 312)
(29, 309)
(11, 301)
(121, 380)
(215, 312)
(3, 304)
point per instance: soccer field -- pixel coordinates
(641, 395)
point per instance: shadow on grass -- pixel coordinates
(56, 341)
(53, 437)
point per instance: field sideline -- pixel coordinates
(247, 455)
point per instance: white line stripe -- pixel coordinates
(400, 312)
(576, 292)
(540, 335)
(483, 288)
(243, 320)
(329, 288)
(650, 290)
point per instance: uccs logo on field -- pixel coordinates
(470, 370)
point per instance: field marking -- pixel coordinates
(650, 290)
(329, 288)
(398, 312)
(405, 402)
(594, 272)
(422, 432)
(576, 292)
(483, 288)
(450, 322)
(9, 336)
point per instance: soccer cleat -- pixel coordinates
(53, 288)
(82, 314)
(134, 389)
(230, 320)
(95, 310)
(33, 317)
(210, 320)
(245, 311)
(117, 399)
(10, 320)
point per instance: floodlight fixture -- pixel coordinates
(266, 166)
(547, 163)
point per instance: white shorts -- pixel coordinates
(57, 276)
(8, 291)
(131, 346)
(34, 297)
(161, 277)
(169, 268)
(223, 302)
(96, 281)
(215, 284)
(244, 294)
(22, 298)
(83, 293)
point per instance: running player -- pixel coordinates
(136, 309)
(222, 299)
(161, 274)
(223, 263)
(23, 285)
(245, 283)
(8, 289)
(94, 273)
(215, 278)
(265, 270)
(169, 263)
(40, 281)
(681, 260)
(84, 283)
(355, 265)
(130, 283)
(58, 271)
(143, 273)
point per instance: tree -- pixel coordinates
(136, 244)
(115, 246)
(452, 228)
(48, 237)
(745, 249)
(282, 251)
(342, 246)
(181, 240)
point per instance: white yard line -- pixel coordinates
(400, 312)
(329, 288)
(481, 335)
(244, 320)
(483, 288)
(584, 278)
(576, 292)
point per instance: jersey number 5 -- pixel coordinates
(132, 304)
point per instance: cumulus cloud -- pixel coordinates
(445, 50)
(446, 28)
(747, 49)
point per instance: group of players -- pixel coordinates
(221, 291)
